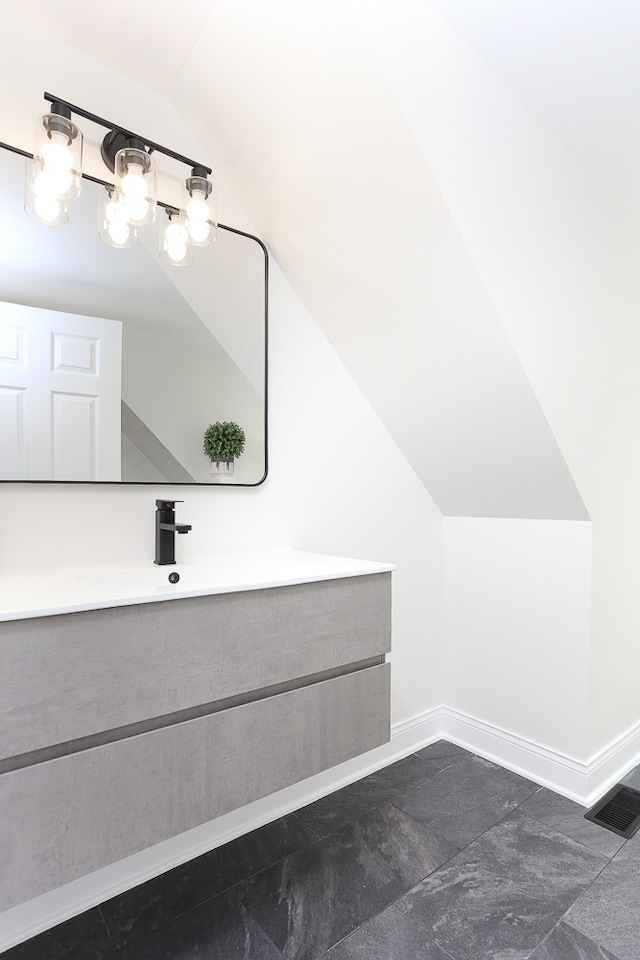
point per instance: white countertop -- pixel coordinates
(46, 591)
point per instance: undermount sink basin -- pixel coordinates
(39, 592)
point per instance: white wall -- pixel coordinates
(558, 257)
(516, 627)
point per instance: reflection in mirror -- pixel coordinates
(113, 364)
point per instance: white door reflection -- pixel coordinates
(60, 386)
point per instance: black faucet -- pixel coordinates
(166, 529)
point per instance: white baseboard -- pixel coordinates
(609, 765)
(583, 782)
(550, 769)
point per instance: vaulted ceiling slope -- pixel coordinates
(439, 179)
(307, 127)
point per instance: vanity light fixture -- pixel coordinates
(199, 202)
(54, 176)
(174, 239)
(135, 176)
(115, 229)
(129, 201)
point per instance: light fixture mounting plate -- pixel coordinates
(117, 140)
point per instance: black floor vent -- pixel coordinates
(619, 811)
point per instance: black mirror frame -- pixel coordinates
(151, 483)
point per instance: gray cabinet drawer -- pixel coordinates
(67, 817)
(75, 675)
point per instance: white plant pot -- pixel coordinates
(221, 468)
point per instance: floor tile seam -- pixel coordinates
(201, 903)
(387, 872)
(248, 913)
(347, 823)
(390, 906)
(409, 786)
(583, 893)
(231, 887)
(517, 805)
(451, 842)
(387, 800)
(548, 935)
(493, 826)
(149, 931)
(561, 920)
(294, 813)
(107, 928)
(572, 840)
(597, 943)
(506, 877)
(366, 812)
(424, 933)
(274, 863)
(565, 836)
(421, 930)
(390, 798)
(586, 846)
(428, 826)
(350, 934)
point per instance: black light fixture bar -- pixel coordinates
(125, 133)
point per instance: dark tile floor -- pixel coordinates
(441, 856)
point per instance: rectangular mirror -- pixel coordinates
(112, 363)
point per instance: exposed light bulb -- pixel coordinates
(137, 209)
(48, 209)
(198, 232)
(199, 207)
(134, 193)
(116, 230)
(56, 154)
(175, 241)
(54, 175)
(52, 184)
(118, 226)
(198, 214)
(136, 182)
(133, 184)
(120, 233)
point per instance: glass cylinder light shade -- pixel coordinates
(115, 228)
(54, 176)
(199, 205)
(174, 240)
(135, 174)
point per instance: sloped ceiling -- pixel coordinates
(147, 42)
(575, 65)
(303, 108)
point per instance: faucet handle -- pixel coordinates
(167, 504)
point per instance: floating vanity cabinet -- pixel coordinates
(122, 727)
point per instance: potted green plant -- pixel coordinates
(222, 443)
